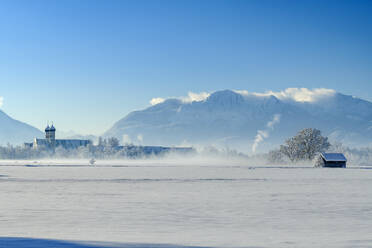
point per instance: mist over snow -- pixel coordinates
(167, 204)
(239, 119)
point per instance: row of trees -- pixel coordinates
(305, 145)
(106, 149)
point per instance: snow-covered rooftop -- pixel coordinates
(338, 157)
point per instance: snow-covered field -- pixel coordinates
(183, 204)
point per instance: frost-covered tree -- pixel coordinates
(100, 141)
(112, 142)
(318, 161)
(275, 156)
(305, 145)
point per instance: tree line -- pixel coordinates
(108, 148)
(305, 145)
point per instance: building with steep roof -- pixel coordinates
(50, 141)
(335, 160)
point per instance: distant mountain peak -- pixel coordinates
(16, 132)
(303, 95)
(233, 118)
(225, 97)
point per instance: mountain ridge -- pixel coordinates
(235, 118)
(16, 132)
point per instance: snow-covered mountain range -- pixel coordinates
(16, 132)
(248, 121)
(242, 120)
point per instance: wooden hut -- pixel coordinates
(333, 160)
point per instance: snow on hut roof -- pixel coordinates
(339, 157)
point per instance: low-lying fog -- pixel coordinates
(208, 202)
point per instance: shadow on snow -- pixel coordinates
(13, 242)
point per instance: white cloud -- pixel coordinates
(242, 92)
(191, 97)
(140, 137)
(157, 100)
(1, 101)
(294, 94)
(264, 134)
(299, 94)
(195, 97)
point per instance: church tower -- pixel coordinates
(47, 132)
(50, 135)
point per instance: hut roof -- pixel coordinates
(337, 157)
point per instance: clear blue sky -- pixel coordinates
(86, 64)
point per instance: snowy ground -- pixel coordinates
(144, 204)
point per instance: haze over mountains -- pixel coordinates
(242, 120)
(248, 121)
(16, 132)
